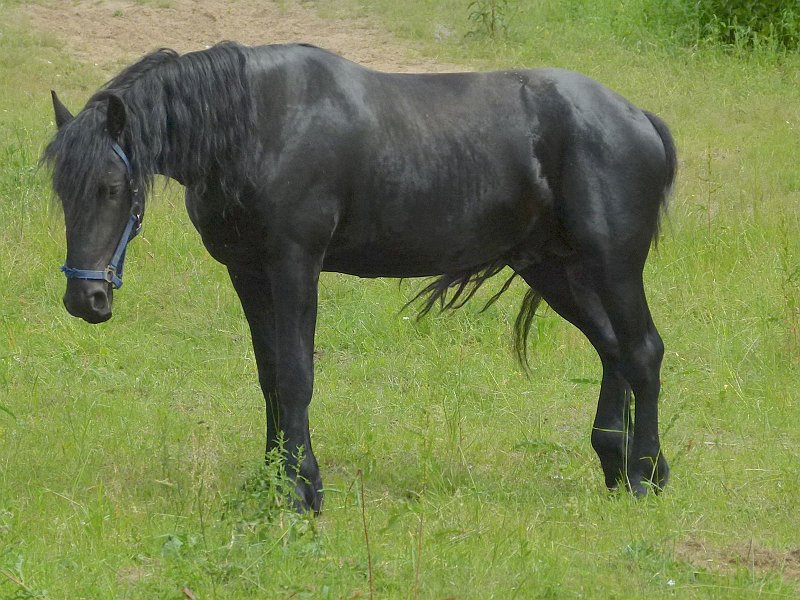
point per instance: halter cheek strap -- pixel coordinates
(124, 157)
(113, 272)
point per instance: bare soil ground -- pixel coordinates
(111, 33)
(753, 557)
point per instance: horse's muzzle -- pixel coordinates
(89, 300)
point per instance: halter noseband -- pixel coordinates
(113, 272)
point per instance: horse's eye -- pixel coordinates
(114, 190)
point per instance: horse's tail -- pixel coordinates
(453, 290)
(671, 167)
(522, 326)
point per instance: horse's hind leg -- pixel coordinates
(568, 291)
(640, 353)
(610, 308)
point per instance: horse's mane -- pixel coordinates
(131, 74)
(190, 115)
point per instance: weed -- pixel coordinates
(790, 285)
(6, 411)
(490, 17)
(360, 476)
(15, 577)
(264, 498)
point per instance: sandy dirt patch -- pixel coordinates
(112, 33)
(749, 555)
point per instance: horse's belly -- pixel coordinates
(424, 247)
(374, 260)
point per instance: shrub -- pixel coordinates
(773, 24)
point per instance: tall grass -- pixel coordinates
(130, 452)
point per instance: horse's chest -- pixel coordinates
(229, 233)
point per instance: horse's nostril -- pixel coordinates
(98, 301)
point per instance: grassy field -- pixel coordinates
(130, 453)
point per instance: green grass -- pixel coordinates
(130, 452)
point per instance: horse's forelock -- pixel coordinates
(77, 156)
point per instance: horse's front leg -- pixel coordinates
(280, 306)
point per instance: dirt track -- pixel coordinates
(114, 32)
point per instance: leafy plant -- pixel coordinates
(489, 16)
(265, 496)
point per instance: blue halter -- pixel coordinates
(113, 272)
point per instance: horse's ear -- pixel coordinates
(115, 117)
(63, 116)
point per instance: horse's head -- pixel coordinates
(94, 180)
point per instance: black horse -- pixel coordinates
(297, 161)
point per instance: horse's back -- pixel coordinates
(438, 172)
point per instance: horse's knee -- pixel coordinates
(609, 441)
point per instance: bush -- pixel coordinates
(772, 24)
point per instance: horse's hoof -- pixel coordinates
(650, 480)
(307, 497)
